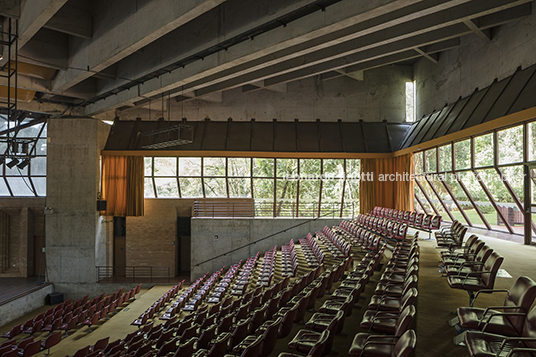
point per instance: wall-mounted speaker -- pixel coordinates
(101, 205)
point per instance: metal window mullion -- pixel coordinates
(321, 186)
(427, 198)
(492, 201)
(32, 185)
(495, 148)
(298, 189)
(343, 187)
(455, 201)
(439, 198)
(203, 177)
(227, 175)
(251, 178)
(8, 186)
(482, 217)
(275, 187)
(420, 204)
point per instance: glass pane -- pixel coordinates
(149, 189)
(424, 202)
(510, 145)
(333, 168)
(464, 202)
(214, 166)
(432, 196)
(447, 200)
(462, 154)
(44, 132)
(353, 168)
(309, 197)
(503, 199)
(148, 166)
(531, 133)
(15, 171)
(481, 199)
(331, 196)
(263, 189)
(165, 166)
(239, 167)
(30, 132)
(310, 169)
(191, 187)
(189, 166)
(215, 187)
(20, 186)
(287, 168)
(239, 187)
(166, 187)
(351, 198)
(286, 197)
(38, 166)
(431, 160)
(417, 159)
(3, 188)
(263, 167)
(40, 184)
(515, 177)
(484, 150)
(41, 147)
(445, 158)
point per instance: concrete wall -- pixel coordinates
(379, 96)
(26, 222)
(474, 63)
(235, 233)
(72, 187)
(21, 306)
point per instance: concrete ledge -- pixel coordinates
(18, 307)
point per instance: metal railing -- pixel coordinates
(133, 274)
(230, 209)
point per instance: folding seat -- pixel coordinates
(90, 321)
(36, 327)
(142, 320)
(168, 347)
(15, 331)
(388, 303)
(188, 333)
(186, 349)
(388, 322)
(206, 337)
(218, 349)
(30, 349)
(113, 345)
(471, 247)
(306, 339)
(100, 345)
(8, 343)
(51, 341)
(143, 350)
(69, 325)
(53, 326)
(484, 279)
(257, 318)
(254, 349)
(163, 338)
(484, 344)
(509, 321)
(396, 290)
(377, 345)
(239, 333)
(320, 321)
(9, 351)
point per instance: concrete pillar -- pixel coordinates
(73, 154)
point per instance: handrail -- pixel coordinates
(261, 239)
(134, 274)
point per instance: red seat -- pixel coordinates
(386, 346)
(318, 350)
(15, 331)
(51, 341)
(305, 339)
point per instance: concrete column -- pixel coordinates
(73, 155)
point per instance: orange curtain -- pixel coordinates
(387, 183)
(122, 185)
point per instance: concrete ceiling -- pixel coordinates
(112, 55)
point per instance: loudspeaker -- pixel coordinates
(54, 299)
(101, 205)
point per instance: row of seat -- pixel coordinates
(203, 292)
(422, 221)
(391, 309)
(289, 261)
(336, 245)
(358, 236)
(224, 284)
(311, 251)
(451, 237)
(472, 270)
(388, 228)
(266, 272)
(157, 305)
(245, 275)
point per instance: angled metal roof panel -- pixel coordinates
(436, 123)
(527, 97)
(262, 138)
(454, 124)
(376, 137)
(486, 103)
(239, 136)
(352, 137)
(306, 134)
(330, 138)
(285, 137)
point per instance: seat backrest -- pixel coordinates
(405, 344)
(82, 352)
(53, 339)
(483, 254)
(186, 349)
(404, 320)
(521, 294)
(288, 320)
(219, 348)
(254, 349)
(491, 265)
(269, 337)
(239, 333)
(319, 348)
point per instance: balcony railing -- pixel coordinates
(133, 274)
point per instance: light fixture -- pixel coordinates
(12, 163)
(23, 164)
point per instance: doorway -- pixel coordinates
(183, 246)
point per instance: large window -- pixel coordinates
(478, 181)
(279, 187)
(21, 179)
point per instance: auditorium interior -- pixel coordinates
(268, 178)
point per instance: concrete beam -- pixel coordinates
(486, 37)
(10, 8)
(302, 35)
(72, 21)
(48, 108)
(212, 98)
(434, 58)
(112, 41)
(51, 54)
(34, 15)
(357, 75)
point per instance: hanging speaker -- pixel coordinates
(101, 205)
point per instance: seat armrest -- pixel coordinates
(516, 339)
(489, 291)
(500, 314)
(513, 351)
